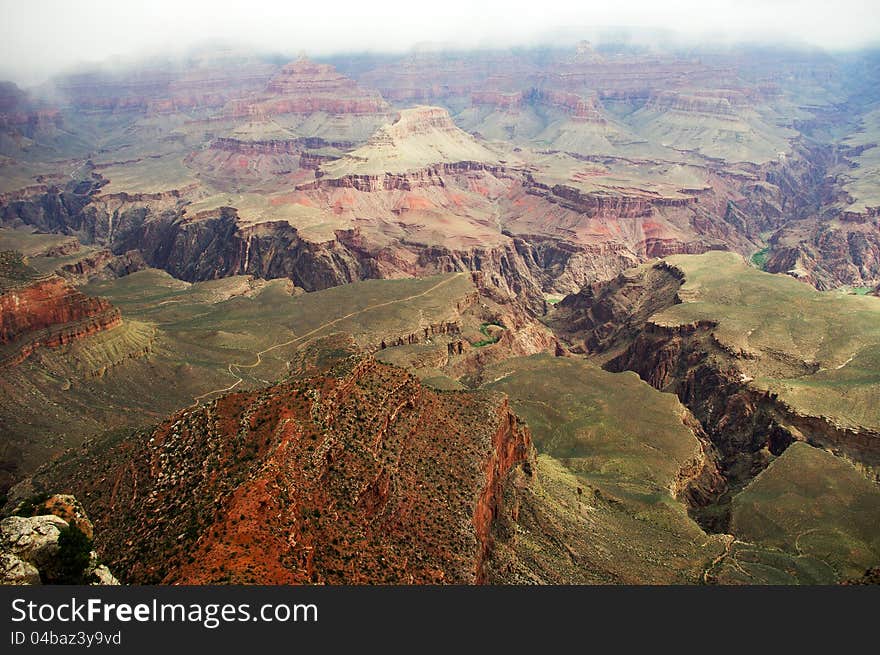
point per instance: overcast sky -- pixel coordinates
(41, 37)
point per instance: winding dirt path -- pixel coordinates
(232, 367)
(728, 546)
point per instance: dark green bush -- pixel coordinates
(74, 553)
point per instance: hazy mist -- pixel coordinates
(41, 37)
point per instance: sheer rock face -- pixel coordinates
(603, 315)
(44, 304)
(103, 265)
(349, 471)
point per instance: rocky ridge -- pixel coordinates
(316, 479)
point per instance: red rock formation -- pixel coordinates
(508, 449)
(47, 311)
(350, 471)
(304, 87)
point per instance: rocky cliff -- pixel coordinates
(44, 311)
(826, 256)
(604, 315)
(604, 204)
(214, 244)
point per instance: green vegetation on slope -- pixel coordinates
(181, 343)
(815, 507)
(613, 449)
(819, 351)
(490, 337)
(759, 259)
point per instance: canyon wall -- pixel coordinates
(46, 311)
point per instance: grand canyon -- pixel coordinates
(588, 313)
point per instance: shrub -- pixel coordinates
(74, 554)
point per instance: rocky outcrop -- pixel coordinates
(423, 335)
(46, 311)
(815, 236)
(349, 471)
(69, 509)
(604, 315)
(432, 175)
(828, 257)
(103, 265)
(30, 545)
(50, 544)
(305, 87)
(265, 147)
(602, 204)
(293, 146)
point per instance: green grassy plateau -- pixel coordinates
(819, 351)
